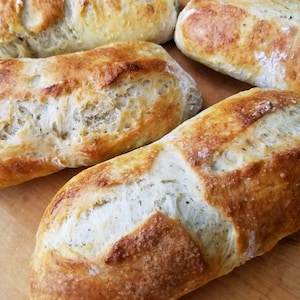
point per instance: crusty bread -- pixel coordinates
(45, 28)
(163, 220)
(256, 41)
(82, 108)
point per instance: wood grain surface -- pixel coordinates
(276, 275)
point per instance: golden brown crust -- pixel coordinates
(45, 12)
(211, 133)
(156, 260)
(259, 48)
(66, 73)
(273, 185)
(170, 243)
(15, 170)
(9, 18)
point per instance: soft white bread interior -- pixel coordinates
(254, 41)
(79, 109)
(163, 220)
(45, 28)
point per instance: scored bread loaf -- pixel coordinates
(163, 220)
(253, 41)
(46, 28)
(79, 109)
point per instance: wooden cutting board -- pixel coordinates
(276, 275)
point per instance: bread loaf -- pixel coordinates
(163, 220)
(45, 28)
(79, 109)
(253, 41)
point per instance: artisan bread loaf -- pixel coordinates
(79, 109)
(256, 41)
(45, 28)
(163, 220)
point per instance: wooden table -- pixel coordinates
(276, 275)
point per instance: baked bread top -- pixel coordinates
(45, 28)
(253, 41)
(165, 219)
(78, 109)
